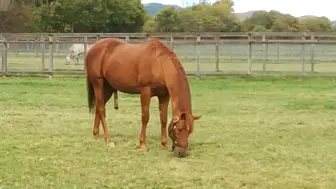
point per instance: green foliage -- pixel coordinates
(167, 20)
(285, 23)
(316, 24)
(132, 16)
(204, 17)
(259, 28)
(88, 16)
(277, 22)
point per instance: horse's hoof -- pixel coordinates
(116, 107)
(111, 144)
(96, 136)
(142, 147)
(165, 147)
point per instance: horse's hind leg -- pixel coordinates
(101, 99)
(107, 95)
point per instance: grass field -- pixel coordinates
(254, 133)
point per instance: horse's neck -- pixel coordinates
(180, 96)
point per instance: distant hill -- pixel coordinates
(244, 15)
(333, 23)
(306, 16)
(153, 8)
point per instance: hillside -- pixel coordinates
(153, 8)
(333, 23)
(244, 15)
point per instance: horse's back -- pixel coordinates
(128, 67)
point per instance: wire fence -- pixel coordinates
(199, 57)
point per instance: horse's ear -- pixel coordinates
(178, 118)
(197, 117)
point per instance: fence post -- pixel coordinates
(265, 45)
(37, 53)
(42, 48)
(97, 37)
(4, 56)
(312, 61)
(85, 51)
(278, 52)
(197, 46)
(198, 74)
(85, 44)
(217, 53)
(171, 40)
(303, 55)
(17, 44)
(249, 60)
(51, 65)
(57, 48)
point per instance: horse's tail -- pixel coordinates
(90, 94)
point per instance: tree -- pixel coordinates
(150, 24)
(13, 15)
(224, 10)
(206, 17)
(316, 24)
(167, 20)
(259, 28)
(259, 18)
(285, 23)
(88, 16)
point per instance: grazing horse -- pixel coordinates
(149, 69)
(74, 51)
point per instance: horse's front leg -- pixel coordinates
(145, 97)
(163, 107)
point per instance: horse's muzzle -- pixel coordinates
(180, 152)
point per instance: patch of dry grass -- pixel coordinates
(254, 133)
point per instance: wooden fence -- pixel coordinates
(309, 52)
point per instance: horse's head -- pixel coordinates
(179, 130)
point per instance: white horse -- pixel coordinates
(74, 51)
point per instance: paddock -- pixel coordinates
(254, 133)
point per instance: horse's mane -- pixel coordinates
(157, 48)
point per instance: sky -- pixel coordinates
(293, 7)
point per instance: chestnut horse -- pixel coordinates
(149, 69)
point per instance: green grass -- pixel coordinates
(254, 133)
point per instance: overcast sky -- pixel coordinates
(293, 7)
